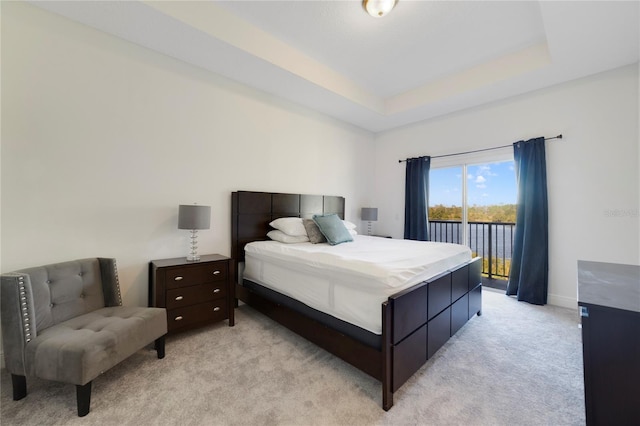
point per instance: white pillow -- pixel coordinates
(290, 226)
(350, 226)
(353, 232)
(287, 239)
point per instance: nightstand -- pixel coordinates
(194, 293)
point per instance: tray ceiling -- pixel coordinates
(423, 60)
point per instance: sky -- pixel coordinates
(487, 184)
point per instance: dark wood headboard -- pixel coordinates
(251, 213)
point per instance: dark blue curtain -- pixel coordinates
(528, 278)
(416, 199)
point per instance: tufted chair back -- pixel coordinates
(66, 290)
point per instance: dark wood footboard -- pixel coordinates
(424, 317)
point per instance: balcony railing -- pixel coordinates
(491, 240)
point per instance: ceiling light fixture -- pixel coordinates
(378, 8)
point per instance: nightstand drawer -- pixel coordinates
(190, 275)
(215, 310)
(192, 295)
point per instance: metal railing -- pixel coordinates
(491, 240)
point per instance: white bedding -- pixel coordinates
(349, 281)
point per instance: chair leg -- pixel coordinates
(160, 347)
(83, 395)
(19, 386)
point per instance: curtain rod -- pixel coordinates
(480, 150)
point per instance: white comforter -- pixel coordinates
(351, 280)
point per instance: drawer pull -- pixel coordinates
(178, 318)
(216, 272)
(216, 309)
(216, 290)
(178, 278)
(179, 298)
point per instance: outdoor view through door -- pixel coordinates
(479, 211)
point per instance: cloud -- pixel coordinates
(485, 170)
(480, 179)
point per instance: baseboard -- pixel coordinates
(562, 301)
(552, 299)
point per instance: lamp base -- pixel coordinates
(193, 255)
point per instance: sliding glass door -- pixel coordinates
(475, 205)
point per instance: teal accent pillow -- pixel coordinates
(332, 228)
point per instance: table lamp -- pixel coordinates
(194, 217)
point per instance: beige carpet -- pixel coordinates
(517, 364)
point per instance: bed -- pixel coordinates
(415, 316)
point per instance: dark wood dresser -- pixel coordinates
(609, 300)
(194, 293)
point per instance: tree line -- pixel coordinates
(495, 213)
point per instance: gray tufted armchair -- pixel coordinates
(65, 322)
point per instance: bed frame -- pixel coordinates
(416, 321)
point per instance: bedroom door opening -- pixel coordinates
(475, 205)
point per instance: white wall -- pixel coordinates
(103, 139)
(592, 173)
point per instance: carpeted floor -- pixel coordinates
(517, 364)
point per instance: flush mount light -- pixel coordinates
(378, 8)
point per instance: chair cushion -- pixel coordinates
(78, 350)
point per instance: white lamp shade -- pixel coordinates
(194, 217)
(369, 213)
